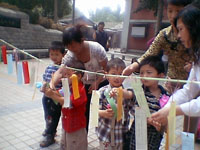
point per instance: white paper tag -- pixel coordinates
(32, 76)
(140, 129)
(141, 99)
(94, 106)
(66, 92)
(187, 141)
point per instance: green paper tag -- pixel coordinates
(111, 101)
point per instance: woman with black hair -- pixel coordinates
(187, 98)
(90, 53)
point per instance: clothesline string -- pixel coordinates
(103, 74)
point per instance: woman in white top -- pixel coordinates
(90, 53)
(187, 98)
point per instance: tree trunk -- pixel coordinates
(73, 12)
(159, 16)
(55, 11)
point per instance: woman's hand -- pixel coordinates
(161, 116)
(188, 66)
(108, 113)
(157, 125)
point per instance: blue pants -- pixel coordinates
(52, 114)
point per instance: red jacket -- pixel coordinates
(74, 118)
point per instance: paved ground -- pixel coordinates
(21, 114)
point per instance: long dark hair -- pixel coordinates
(190, 17)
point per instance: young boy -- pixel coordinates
(110, 132)
(74, 135)
(156, 96)
(52, 110)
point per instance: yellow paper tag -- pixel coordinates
(75, 86)
(172, 123)
(119, 104)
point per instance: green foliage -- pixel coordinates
(107, 15)
(44, 8)
(64, 8)
(6, 5)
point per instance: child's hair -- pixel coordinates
(179, 2)
(73, 34)
(101, 23)
(75, 64)
(115, 63)
(155, 62)
(57, 45)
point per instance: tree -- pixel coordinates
(106, 14)
(55, 11)
(45, 8)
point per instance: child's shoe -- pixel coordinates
(44, 133)
(48, 140)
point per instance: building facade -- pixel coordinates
(139, 27)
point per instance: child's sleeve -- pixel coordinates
(45, 74)
(131, 102)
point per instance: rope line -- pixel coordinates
(102, 74)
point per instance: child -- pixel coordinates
(52, 110)
(156, 96)
(110, 132)
(74, 135)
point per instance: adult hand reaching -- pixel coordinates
(130, 69)
(161, 116)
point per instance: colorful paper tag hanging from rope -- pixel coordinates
(15, 53)
(139, 93)
(66, 92)
(32, 76)
(111, 101)
(140, 129)
(19, 73)
(75, 86)
(94, 106)
(0, 54)
(4, 57)
(187, 140)
(172, 123)
(26, 72)
(10, 63)
(119, 104)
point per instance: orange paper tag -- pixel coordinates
(119, 104)
(75, 86)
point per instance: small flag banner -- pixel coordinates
(26, 72)
(19, 73)
(3, 49)
(10, 63)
